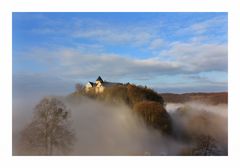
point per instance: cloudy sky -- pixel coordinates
(170, 52)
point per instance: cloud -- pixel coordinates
(37, 85)
(185, 58)
(74, 63)
(206, 26)
(155, 44)
(136, 34)
(198, 57)
(116, 35)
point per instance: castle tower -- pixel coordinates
(99, 85)
(99, 80)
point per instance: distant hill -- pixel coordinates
(210, 98)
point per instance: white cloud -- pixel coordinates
(66, 66)
(198, 57)
(136, 34)
(155, 44)
(204, 26)
(114, 35)
(185, 58)
(40, 84)
(74, 63)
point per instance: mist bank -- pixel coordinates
(196, 119)
(103, 128)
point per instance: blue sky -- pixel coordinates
(169, 52)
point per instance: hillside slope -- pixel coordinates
(143, 101)
(210, 98)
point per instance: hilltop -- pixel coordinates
(143, 101)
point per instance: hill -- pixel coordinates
(200, 127)
(143, 101)
(210, 98)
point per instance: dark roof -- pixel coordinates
(105, 83)
(99, 79)
(92, 83)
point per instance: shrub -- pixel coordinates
(137, 94)
(115, 94)
(154, 114)
(91, 93)
(205, 145)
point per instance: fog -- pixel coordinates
(197, 118)
(104, 129)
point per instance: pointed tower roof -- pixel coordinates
(99, 79)
(92, 84)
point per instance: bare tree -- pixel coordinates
(79, 87)
(206, 146)
(49, 133)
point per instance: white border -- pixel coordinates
(9, 6)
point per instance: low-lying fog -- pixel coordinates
(103, 129)
(201, 118)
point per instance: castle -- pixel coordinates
(99, 85)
